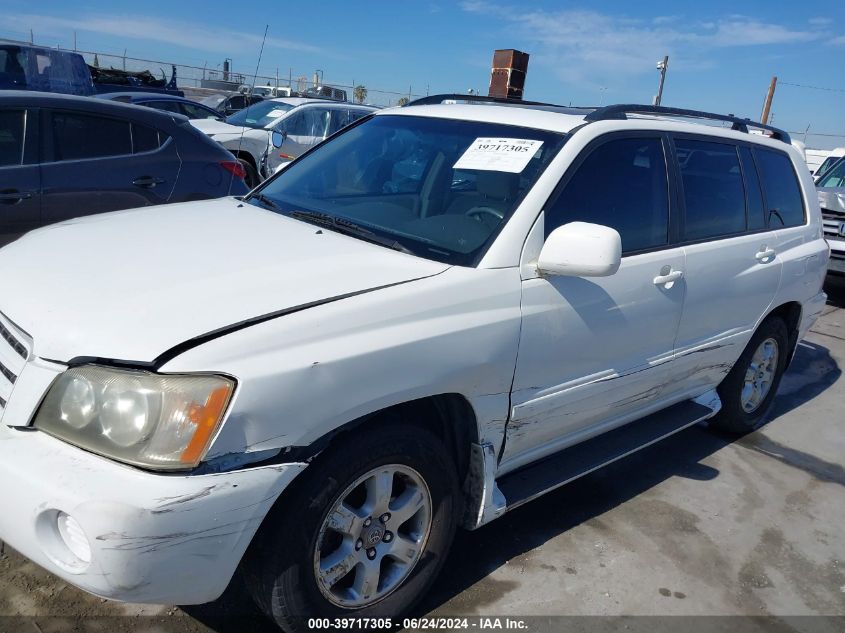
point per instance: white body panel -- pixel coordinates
(320, 329)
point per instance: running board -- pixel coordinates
(528, 483)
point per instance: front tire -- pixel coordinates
(748, 391)
(362, 532)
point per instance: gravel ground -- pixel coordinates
(700, 524)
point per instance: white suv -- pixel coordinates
(438, 315)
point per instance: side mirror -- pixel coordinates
(278, 138)
(580, 249)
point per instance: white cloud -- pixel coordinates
(594, 47)
(188, 35)
(820, 21)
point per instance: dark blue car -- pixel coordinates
(168, 103)
(63, 156)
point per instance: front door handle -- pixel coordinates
(668, 278)
(14, 196)
(764, 254)
(147, 181)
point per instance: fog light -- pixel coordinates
(74, 537)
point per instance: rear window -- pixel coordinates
(785, 207)
(80, 136)
(144, 139)
(11, 137)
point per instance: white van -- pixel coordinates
(430, 319)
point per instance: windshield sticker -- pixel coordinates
(275, 114)
(498, 154)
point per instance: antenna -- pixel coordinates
(254, 79)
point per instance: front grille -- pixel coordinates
(15, 346)
(14, 343)
(832, 223)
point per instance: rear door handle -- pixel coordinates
(147, 181)
(764, 254)
(668, 278)
(15, 196)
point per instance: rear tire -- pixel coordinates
(749, 389)
(316, 551)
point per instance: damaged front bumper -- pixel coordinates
(150, 538)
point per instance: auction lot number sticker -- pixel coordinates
(498, 154)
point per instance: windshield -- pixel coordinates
(260, 114)
(439, 188)
(835, 176)
(828, 162)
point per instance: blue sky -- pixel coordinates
(722, 54)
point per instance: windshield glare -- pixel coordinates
(260, 114)
(427, 183)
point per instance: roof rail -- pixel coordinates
(438, 99)
(620, 111)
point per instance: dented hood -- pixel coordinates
(132, 285)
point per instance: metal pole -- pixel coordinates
(767, 106)
(663, 66)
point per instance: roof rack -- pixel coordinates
(620, 111)
(438, 99)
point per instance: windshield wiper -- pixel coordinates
(267, 203)
(342, 225)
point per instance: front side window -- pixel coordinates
(835, 177)
(714, 194)
(79, 136)
(392, 177)
(12, 125)
(621, 184)
(780, 183)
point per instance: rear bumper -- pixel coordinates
(812, 310)
(171, 539)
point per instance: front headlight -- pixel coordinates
(159, 421)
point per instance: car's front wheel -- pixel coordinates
(362, 533)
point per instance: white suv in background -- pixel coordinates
(302, 123)
(831, 188)
(430, 319)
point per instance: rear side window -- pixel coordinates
(714, 195)
(622, 184)
(12, 124)
(785, 206)
(80, 136)
(753, 191)
(144, 139)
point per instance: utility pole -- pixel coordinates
(767, 106)
(31, 37)
(662, 66)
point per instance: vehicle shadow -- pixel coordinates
(475, 555)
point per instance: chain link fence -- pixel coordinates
(200, 81)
